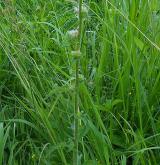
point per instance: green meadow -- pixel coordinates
(79, 82)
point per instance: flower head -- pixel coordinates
(84, 9)
(73, 33)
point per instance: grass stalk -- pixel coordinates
(76, 110)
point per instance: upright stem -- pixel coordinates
(76, 110)
(76, 120)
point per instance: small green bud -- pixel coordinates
(76, 53)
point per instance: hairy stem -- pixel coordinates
(76, 110)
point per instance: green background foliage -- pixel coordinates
(119, 89)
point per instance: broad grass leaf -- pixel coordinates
(139, 43)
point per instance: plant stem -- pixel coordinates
(76, 110)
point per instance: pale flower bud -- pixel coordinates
(73, 33)
(76, 10)
(84, 9)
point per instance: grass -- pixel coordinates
(118, 83)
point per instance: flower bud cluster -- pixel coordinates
(83, 11)
(74, 33)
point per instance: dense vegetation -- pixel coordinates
(119, 82)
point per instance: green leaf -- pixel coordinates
(3, 139)
(139, 43)
(91, 162)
